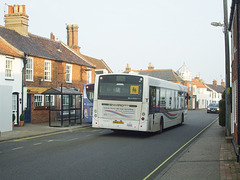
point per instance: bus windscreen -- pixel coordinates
(90, 92)
(120, 87)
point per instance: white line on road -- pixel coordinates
(37, 144)
(72, 139)
(16, 148)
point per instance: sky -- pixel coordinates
(137, 32)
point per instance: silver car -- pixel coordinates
(213, 108)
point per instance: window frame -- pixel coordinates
(29, 69)
(9, 69)
(68, 73)
(37, 96)
(47, 72)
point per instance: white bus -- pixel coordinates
(138, 103)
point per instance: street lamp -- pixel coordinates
(227, 70)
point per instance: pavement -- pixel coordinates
(211, 156)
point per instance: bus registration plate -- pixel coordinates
(118, 122)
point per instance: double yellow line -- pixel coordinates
(179, 150)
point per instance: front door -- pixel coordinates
(15, 107)
(28, 110)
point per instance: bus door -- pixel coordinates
(154, 107)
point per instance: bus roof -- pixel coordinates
(153, 80)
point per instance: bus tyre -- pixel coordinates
(161, 126)
(182, 120)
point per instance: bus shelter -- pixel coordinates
(65, 106)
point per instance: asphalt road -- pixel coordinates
(97, 153)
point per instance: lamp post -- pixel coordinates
(227, 70)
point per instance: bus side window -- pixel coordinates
(152, 100)
(157, 99)
(163, 98)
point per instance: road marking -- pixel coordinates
(37, 144)
(179, 149)
(49, 134)
(16, 148)
(72, 139)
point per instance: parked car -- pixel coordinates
(213, 108)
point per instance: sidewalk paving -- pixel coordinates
(29, 130)
(211, 156)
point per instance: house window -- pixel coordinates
(89, 76)
(47, 71)
(214, 95)
(52, 100)
(29, 69)
(69, 73)
(8, 69)
(38, 100)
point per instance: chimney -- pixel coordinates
(17, 19)
(197, 78)
(150, 66)
(215, 82)
(222, 83)
(128, 68)
(52, 37)
(72, 37)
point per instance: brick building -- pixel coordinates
(235, 57)
(48, 63)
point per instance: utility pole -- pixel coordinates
(227, 70)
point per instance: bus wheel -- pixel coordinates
(182, 120)
(161, 126)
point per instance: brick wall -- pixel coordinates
(58, 77)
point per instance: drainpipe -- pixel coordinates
(23, 76)
(238, 80)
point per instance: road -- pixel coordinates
(97, 153)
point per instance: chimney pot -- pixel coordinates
(72, 37)
(17, 19)
(150, 66)
(128, 68)
(52, 37)
(215, 82)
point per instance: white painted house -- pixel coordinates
(11, 75)
(200, 91)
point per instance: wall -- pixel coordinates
(16, 81)
(6, 108)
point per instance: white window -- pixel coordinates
(89, 76)
(69, 73)
(8, 69)
(214, 95)
(47, 71)
(38, 100)
(52, 100)
(29, 69)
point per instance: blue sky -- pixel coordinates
(136, 32)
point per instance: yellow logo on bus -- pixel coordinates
(134, 89)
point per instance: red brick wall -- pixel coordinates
(58, 77)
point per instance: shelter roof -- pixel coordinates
(64, 91)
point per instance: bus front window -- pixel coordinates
(90, 92)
